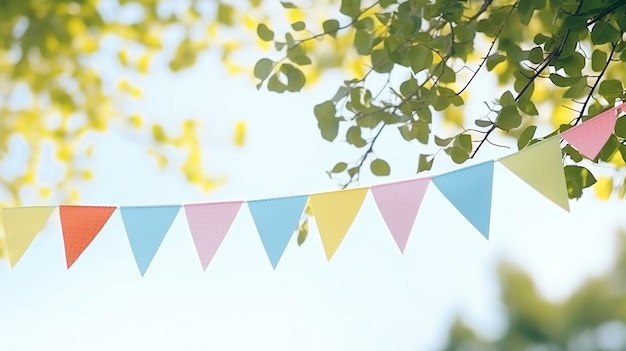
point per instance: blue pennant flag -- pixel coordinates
(276, 220)
(469, 190)
(146, 227)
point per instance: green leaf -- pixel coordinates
(493, 61)
(353, 136)
(483, 123)
(577, 89)
(408, 132)
(611, 89)
(604, 32)
(464, 141)
(420, 58)
(275, 85)
(620, 127)
(288, 5)
(457, 154)
(264, 32)
(577, 178)
(331, 26)
(381, 62)
(303, 232)
(540, 39)
(363, 41)
(380, 167)
(572, 153)
(609, 149)
(350, 8)
(526, 136)
(298, 56)
(423, 131)
(536, 55)
(563, 82)
(325, 110)
(424, 164)
(507, 98)
(528, 107)
(353, 171)
(339, 167)
(329, 128)
(442, 142)
(508, 118)
(447, 74)
(298, 26)
(295, 78)
(525, 9)
(263, 68)
(598, 60)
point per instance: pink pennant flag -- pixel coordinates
(589, 137)
(209, 223)
(399, 203)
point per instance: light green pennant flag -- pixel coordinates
(21, 226)
(541, 167)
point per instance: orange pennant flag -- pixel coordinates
(80, 225)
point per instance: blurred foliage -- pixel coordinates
(54, 87)
(591, 318)
(69, 68)
(418, 59)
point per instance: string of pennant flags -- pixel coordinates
(468, 189)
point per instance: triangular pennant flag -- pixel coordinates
(276, 220)
(334, 213)
(80, 225)
(209, 223)
(146, 227)
(398, 203)
(21, 226)
(469, 190)
(541, 167)
(589, 137)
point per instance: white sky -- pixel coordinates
(369, 297)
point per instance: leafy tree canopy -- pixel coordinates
(419, 59)
(592, 318)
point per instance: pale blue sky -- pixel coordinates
(369, 297)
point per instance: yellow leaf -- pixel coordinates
(75, 26)
(122, 55)
(561, 115)
(603, 188)
(87, 174)
(249, 23)
(453, 116)
(64, 152)
(45, 192)
(143, 64)
(295, 15)
(135, 120)
(159, 134)
(617, 160)
(239, 137)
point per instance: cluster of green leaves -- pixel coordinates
(545, 53)
(592, 318)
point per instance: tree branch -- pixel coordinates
(595, 84)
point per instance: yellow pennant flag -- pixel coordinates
(334, 213)
(541, 167)
(21, 226)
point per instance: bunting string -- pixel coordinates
(468, 189)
